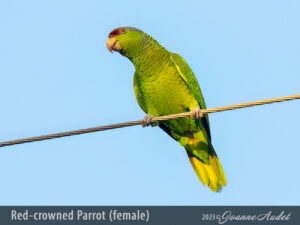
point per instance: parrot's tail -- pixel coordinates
(209, 171)
(211, 175)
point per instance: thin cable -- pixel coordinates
(155, 119)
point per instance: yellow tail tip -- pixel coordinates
(211, 175)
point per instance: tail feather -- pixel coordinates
(211, 175)
(205, 161)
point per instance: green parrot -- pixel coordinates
(165, 84)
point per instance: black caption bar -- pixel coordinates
(183, 215)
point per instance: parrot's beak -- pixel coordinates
(113, 45)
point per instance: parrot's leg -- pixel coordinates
(196, 113)
(147, 121)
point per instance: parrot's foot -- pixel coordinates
(147, 121)
(196, 113)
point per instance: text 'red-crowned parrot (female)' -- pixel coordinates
(165, 84)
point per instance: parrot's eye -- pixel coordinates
(123, 31)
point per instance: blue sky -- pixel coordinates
(57, 75)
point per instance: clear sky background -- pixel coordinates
(57, 75)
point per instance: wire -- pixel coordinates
(155, 119)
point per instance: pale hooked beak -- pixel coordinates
(113, 45)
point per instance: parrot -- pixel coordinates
(165, 84)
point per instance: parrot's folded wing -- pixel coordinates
(190, 80)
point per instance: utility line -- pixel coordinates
(155, 119)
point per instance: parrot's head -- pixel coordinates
(128, 41)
